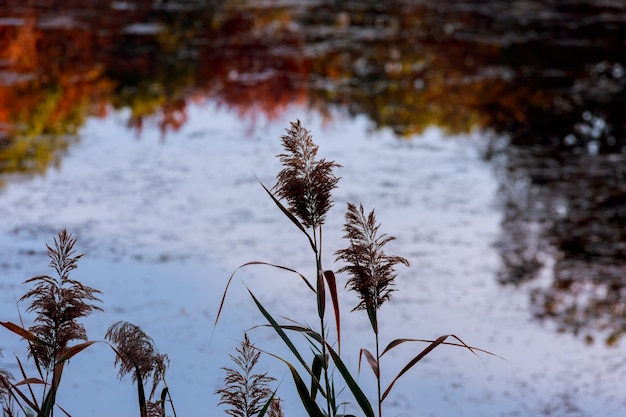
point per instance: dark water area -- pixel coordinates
(546, 81)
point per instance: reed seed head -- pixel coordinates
(59, 302)
(305, 182)
(154, 409)
(136, 351)
(372, 271)
(5, 385)
(275, 409)
(245, 392)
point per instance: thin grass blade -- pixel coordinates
(371, 360)
(321, 295)
(33, 406)
(287, 213)
(74, 350)
(219, 311)
(304, 330)
(413, 361)
(64, 412)
(316, 368)
(20, 331)
(163, 398)
(332, 289)
(29, 381)
(462, 344)
(30, 389)
(50, 399)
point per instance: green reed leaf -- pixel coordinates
(281, 333)
(321, 295)
(308, 402)
(359, 396)
(316, 367)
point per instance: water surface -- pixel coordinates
(490, 140)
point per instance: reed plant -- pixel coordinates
(57, 335)
(246, 393)
(7, 405)
(137, 355)
(303, 193)
(59, 302)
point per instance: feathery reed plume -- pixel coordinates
(136, 354)
(155, 409)
(372, 271)
(275, 409)
(246, 393)
(306, 183)
(59, 302)
(5, 386)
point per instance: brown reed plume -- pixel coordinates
(5, 392)
(372, 271)
(136, 354)
(305, 182)
(275, 409)
(59, 302)
(246, 393)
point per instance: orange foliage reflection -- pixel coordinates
(405, 65)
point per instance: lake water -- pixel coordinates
(513, 225)
(164, 224)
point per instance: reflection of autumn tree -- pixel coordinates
(46, 95)
(569, 208)
(256, 63)
(405, 65)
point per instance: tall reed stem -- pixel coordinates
(320, 278)
(380, 402)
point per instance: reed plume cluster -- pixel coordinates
(305, 182)
(137, 355)
(247, 393)
(372, 272)
(58, 303)
(5, 392)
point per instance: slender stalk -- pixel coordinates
(380, 403)
(170, 397)
(319, 271)
(141, 396)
